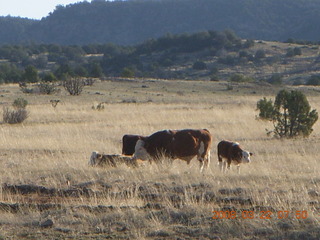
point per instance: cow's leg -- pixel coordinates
(204, 162)
(224, 167)
(201, 160)
(221, 163)
(238, 168)
(227, 165)
(204, 156)
(207, 159)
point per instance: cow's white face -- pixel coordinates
(246, 157)
(140, 152)
(93, 159)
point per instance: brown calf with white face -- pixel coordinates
(232, 153)
(182, 144)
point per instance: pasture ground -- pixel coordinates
(49, 191)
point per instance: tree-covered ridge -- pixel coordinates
(96, 60)
(14, 29)
(209, 55)
(132, 22)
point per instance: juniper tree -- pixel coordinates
(290, 114)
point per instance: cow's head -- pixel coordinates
(93, 159)
(246, 157)
(241, 156)
(140, 152)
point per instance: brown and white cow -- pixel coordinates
(129, 142)
(176, 144)
(100, 160)
(232, 153)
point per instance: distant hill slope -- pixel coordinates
(131, 22)
(14, 30)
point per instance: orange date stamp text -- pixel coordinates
(246, 214)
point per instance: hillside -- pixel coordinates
(205, 55)
(131, 22)
(14, 29)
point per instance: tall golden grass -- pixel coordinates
(52, 148)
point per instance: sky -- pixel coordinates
(34, 9)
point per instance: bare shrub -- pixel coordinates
(74, 85)
(14, 116)
(22, 84)
(20, 103)
(88, 81)
(40, 88)
(27, 90)
(18, 114)
(47, 88)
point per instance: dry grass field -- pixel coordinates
(49, 191)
